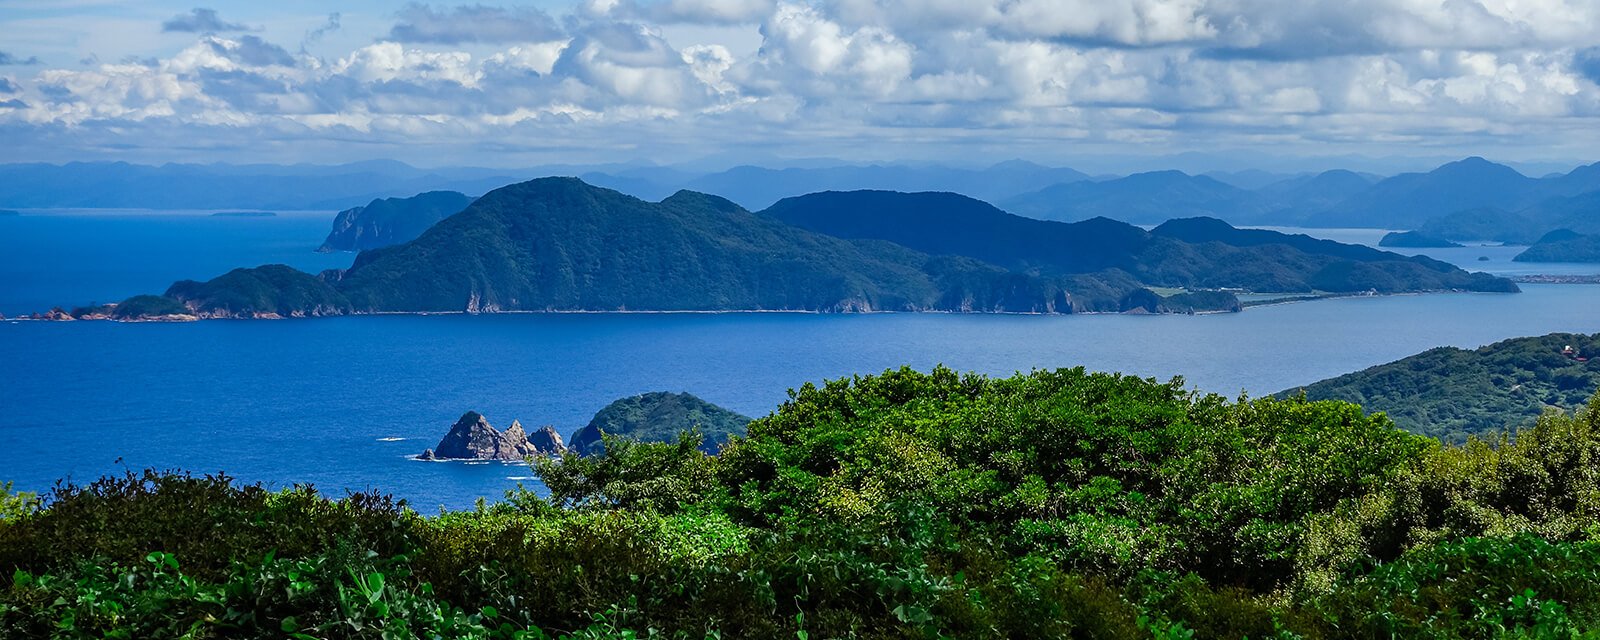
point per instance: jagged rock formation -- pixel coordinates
(472, 438)
(546, 440)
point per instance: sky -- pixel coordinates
(959, 82)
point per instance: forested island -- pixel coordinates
(1563, 245)
(558, 244)
(903, 505)
(1453, 394)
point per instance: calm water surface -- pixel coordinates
(343, 402)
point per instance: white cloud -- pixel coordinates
(1175, 72)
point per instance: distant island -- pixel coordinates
(659, 417)
(1414, 239)
(652, 417)
(244, 214)
(1563, 245)
(559, 244)
(1450, 394)
(388, 221)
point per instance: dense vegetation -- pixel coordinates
(387, 221)
(1451, 393)
(270, 290)
(148, 307)
(659, 417)
(1056, 504)
(1563, 245)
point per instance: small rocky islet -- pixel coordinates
(651, 417)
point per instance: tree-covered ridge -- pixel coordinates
(272, 290)
(559, 244)
(1450, 394)
(659, 416)
(1054, 504)
(387, 221)
(1200, 253)
(1563, 245)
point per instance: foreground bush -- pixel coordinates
(1057, 504)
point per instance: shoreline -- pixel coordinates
(1244, 305)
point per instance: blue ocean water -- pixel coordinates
(343, 402)
(72, 257)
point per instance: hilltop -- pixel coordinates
(1451, 393)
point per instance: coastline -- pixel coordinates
(1244, 305)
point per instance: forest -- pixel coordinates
(1051, 504)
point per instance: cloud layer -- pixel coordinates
(856, 78)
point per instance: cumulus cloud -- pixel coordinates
(200, 20)
(713, 12)
(8, 59)
(873, 72)
(476, 23)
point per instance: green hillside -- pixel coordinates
(1451, 393)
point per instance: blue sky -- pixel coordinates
(953, 81)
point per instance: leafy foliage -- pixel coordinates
(1450, 393)
(1054, 504)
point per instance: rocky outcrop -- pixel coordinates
(547, 440)
(472, 438)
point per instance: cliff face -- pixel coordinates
(472, 438)
(391, 220)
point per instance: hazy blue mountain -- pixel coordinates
(381, 223)
(1291, 202)
(1563, 245)
(1142, 198)
(756, 187)
(1251, 179)
(1408, 200)
(1200, 253)
(1579, 212)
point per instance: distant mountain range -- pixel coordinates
(1563, 245)
(1335, 198)
(559, 244)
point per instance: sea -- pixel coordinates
(344, 404)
